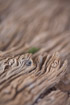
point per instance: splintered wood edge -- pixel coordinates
(31, 79)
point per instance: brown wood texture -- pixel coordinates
(42, 78)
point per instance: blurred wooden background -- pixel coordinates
(43, 24)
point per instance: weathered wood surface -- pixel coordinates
(44, 77)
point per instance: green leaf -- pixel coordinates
(33, 50)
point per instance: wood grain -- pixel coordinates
(42, 78)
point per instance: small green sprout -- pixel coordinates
(33, 50)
